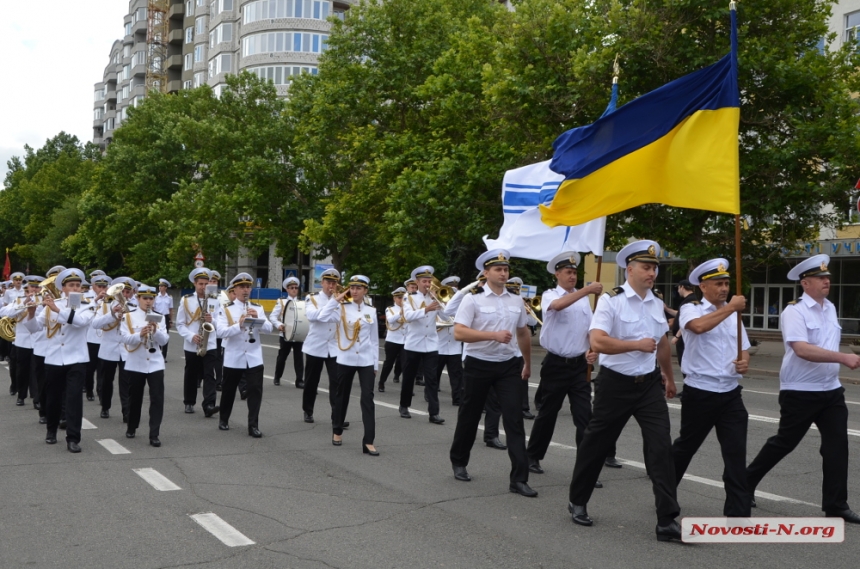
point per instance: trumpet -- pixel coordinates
(439, 292)
(532, 306)
(340, 289)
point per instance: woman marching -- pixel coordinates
(358, 340)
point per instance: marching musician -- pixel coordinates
(243, 353)
(9, 298)
(194, 311)
(320, 347)
(357, 336)
(291, 285)
(22, 346)
(395, 337)
(111, 350)
(66, 358)
(450, 350)
(164, 306)
(215, 279)
(100, 283)
(144, 363)
(37, 364)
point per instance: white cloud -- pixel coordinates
(54, 51)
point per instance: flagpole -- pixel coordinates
(596, 298)
(738, 280)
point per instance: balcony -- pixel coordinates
(176, 12)
(139, 27)
(110, 77)
(111, 96)
(139, 70)
(174, 62)
(174, 86)
(176, 37)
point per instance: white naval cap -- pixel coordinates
(515, 281)
(214, 275)
(359, 280)
(241, 279)
(712, 269)
(55, 270)
(146, 290)
(290, 280)
(33, 280)
(164, 282)
(399, 291)
(96, 273)
(491, 258)
(815, 266)
(644, 251)
(451, 281)
(330, 275)
(125, 281)
(409, 281)
(424, 271)
(101, 279)
(17, 276)
(198, 273)
(70, 275)
(563, 260)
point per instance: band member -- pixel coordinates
(564, 336)
(195, 312)
(22, 346)
(144, 364)
(395, 323)
(422, 344)
(66, 359)
(100, 283)
(450, 350)
(37, 365)
(291, 285)
(243, 352)
(628, 330)
(111, 350)
(412, 286)
(809, 388)
(215, 278)
(358, 352)
(164, 306)
(487, 322)
(10, 297)
(320, 347)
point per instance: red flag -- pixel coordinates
(7, 268)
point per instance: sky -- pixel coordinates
(52, 52)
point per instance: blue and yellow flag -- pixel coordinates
(677, 145)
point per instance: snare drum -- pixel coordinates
(296, 325)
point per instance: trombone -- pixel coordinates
(441, 294)
(533, 306)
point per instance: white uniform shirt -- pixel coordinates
(448, 346)
(69, 344)
(23, 337)
(421, 333)
(708, 357)
(94, 335)
(239, 351)
(486, 311)
(138, 357)
(565, 332)
(808, 321)
(11, 294)
(626, 316)
(364, 351)
(188, 322)
(163, 304)
(321, 341)
(110, 348)
(396, 325)
(276, 316)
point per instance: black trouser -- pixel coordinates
(493, 410)
(313, 371)
(164, 347)
(345, 376)
(22, 372)
(394, 356)
(13, 369)
(65, 382)
(108, 370)
(5, 347)
(428, 362)
(219, 363)
(798, 410)
(298, 359)
(702, 411)
(195, 368)
(559, 378)
(618, 397)
(253, 377)
(37, 369)
(505, 377)
(137, 382)
(92, 367)
(454, 363)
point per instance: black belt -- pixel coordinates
(576, 360)
(633, 378)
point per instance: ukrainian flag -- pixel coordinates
(677, 145)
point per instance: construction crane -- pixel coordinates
(157, 37)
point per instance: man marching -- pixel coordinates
(195, 310)
(291, 285)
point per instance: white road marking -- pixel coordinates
(227, 534)
(156, 479)
(87, 425)
(113, 447)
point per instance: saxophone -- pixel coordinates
(204, 330)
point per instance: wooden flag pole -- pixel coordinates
(596, 298)
(738, 280)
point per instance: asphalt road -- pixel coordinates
(291, 499)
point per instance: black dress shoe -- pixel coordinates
(522, 489)
(847, 514)
(189, 408)
(309, 418)
(300, 384)
(496, 443)
(90, 397)
(612, 462)
(336, 442)
(218, 387)
(63, 424)
(668, 532)
(254, 432)
(381, 388)
(223, 426)
(419, 382)
(125, 417)
(37, 406)
(366, 450)
(455, 403)
(13, 391)
(209, 411)
(129, 434)
(105, 414)
(153, 441)
(51, 438)
(436, 419)
(598, 484)
(396, 380)
(243, 395)
(579, 515)
(73, 446)
(19, 402)
(534, 466)
(461, 474)
(404, 412)
(43, 420)
(345, 425)
(528, 415)
(277, 382)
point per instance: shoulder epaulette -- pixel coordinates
(694, 302)
(615, 292)
(478, 290)
(414, 292)
(793, 302)
(189, 295)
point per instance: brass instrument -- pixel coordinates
(115, 293)
(251, 338)
(441, 293)
(49, 287)
(340, 289)
(533, 306)
(152, 317)
(206, 328)
(7, 328)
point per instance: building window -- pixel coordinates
(852, 28)
(138, 59)
(200, 26)
(273, 42)
(189, 61)
(124, 93)
(126, 51)
(199, 78)
(100, 94)
(201, 2)
(199, 53)
(281, 74)
(218, 6)
(187, 85)
(140, 14)
(128, 29)
(269, 9)
(189, 8)
(223, 63)
(137, 101)
(98, 114)
(126, 72)
(189, 34)
(109, 124)
(221, 34)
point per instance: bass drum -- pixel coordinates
(296, 325)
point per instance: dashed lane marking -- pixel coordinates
(156, 479)
(227, 534)
(113, 447)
